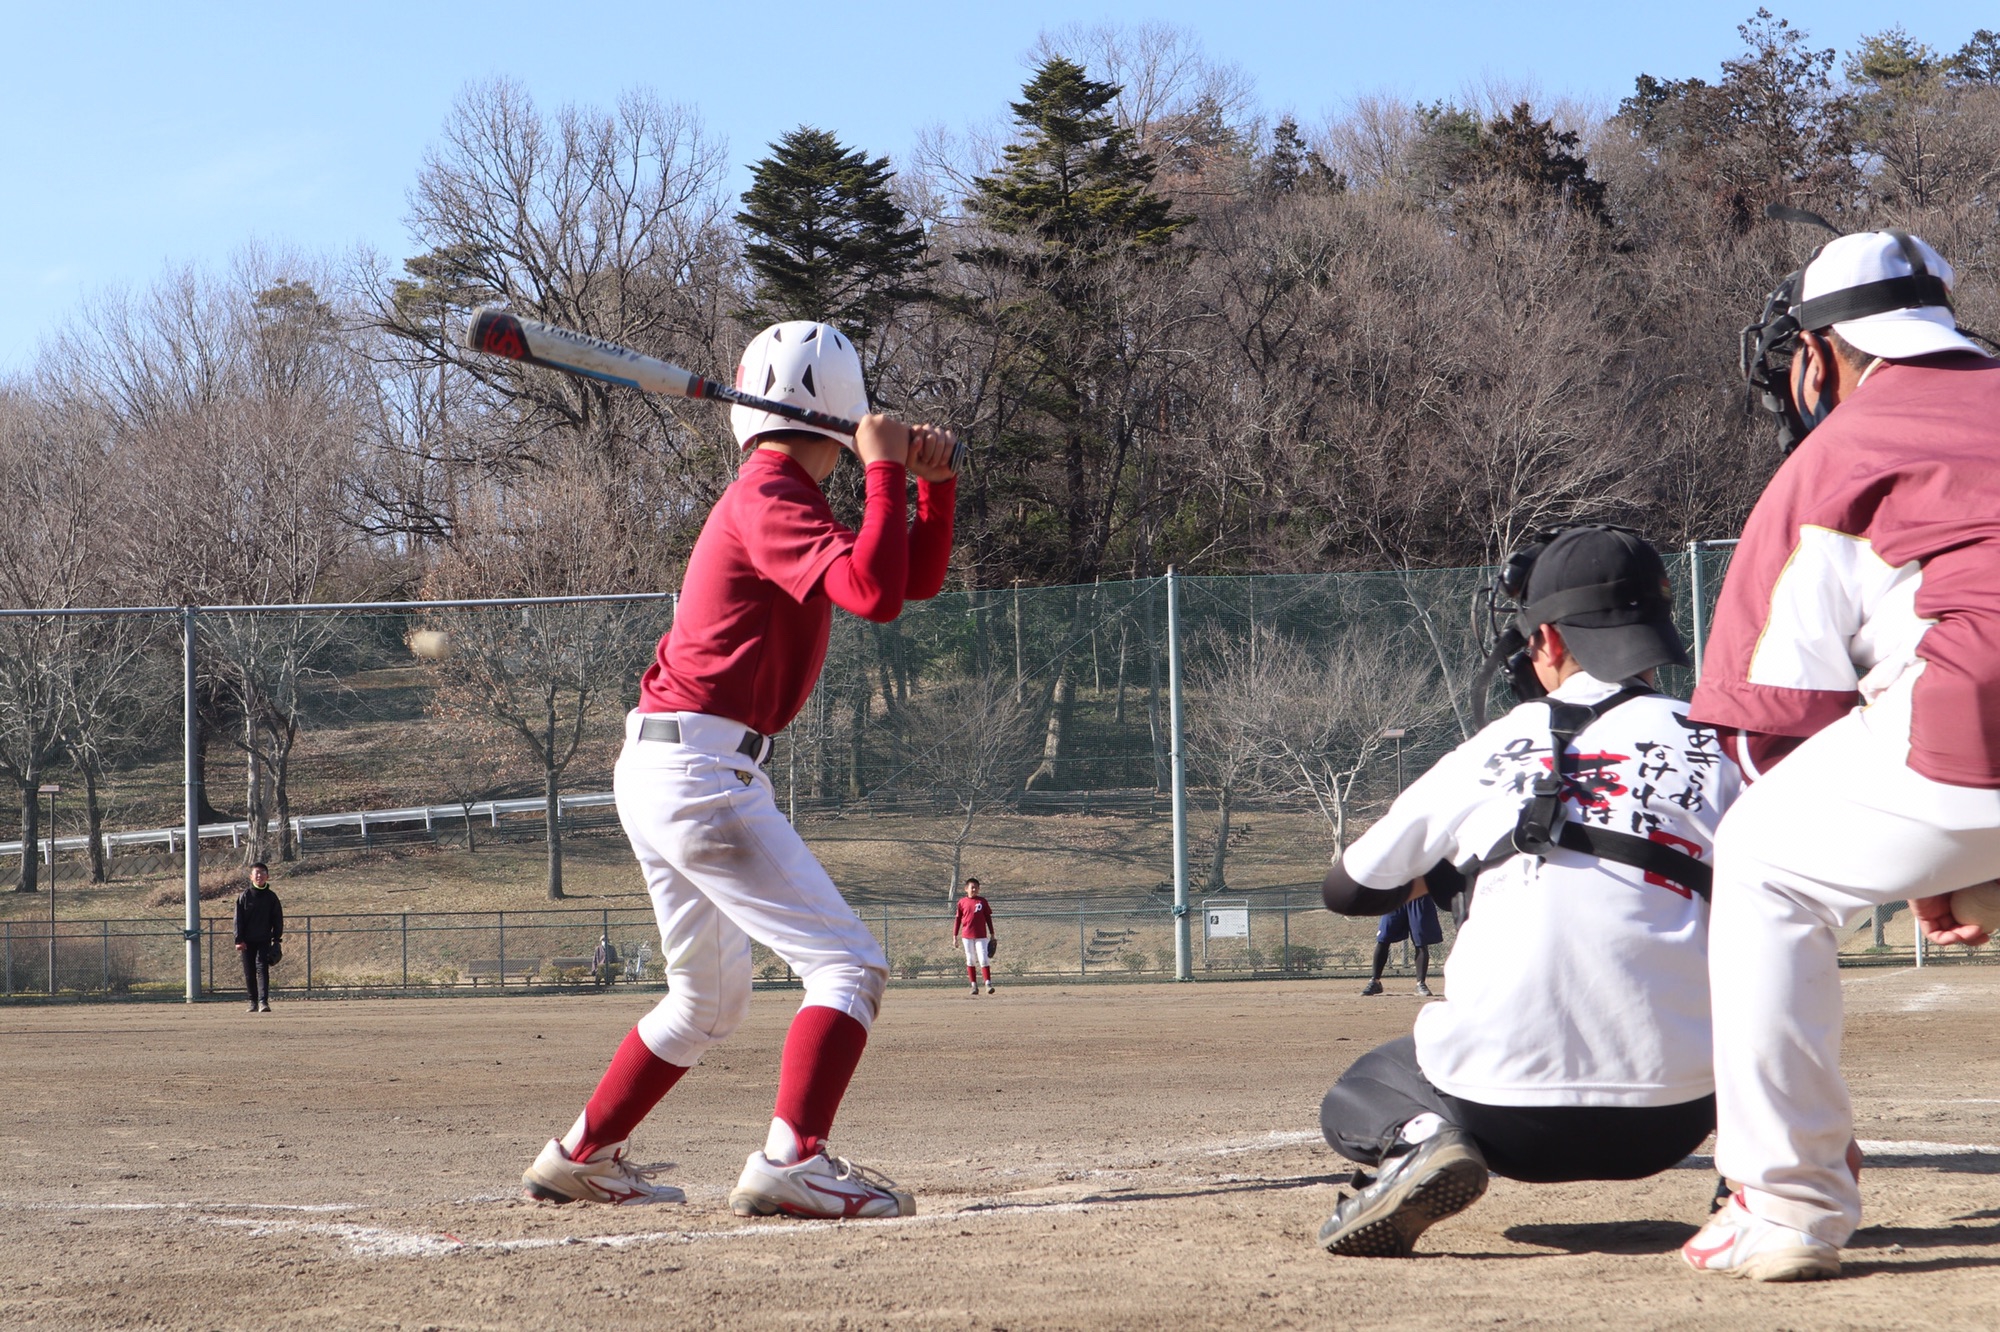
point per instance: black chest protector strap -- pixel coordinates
(1542, 825)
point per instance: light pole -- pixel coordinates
(51, 792)
(1397, 733)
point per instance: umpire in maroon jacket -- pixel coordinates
(260, 928)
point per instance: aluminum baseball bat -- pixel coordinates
(499, 333)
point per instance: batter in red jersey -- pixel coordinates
(722, 865)
(974, 929)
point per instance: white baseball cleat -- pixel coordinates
(821, 1186)
(1742, 1244)
(605, 1177)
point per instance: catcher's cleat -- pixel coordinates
(1372, 987)
(1742, 1244)
(605, 1177)
(821, 1186)
(1439, 1177)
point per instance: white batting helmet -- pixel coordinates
(799, 361)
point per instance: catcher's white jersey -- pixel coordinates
(1574, 981)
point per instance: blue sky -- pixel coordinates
(143, 136)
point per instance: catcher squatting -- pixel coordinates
(1581, 837)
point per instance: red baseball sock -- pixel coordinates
(821, 1051)
(987, 972)
(969, 974)
(626, 1094)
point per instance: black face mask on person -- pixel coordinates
(1769, 348)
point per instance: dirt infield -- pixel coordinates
(1139, 1156)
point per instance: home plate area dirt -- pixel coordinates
(1135, 1156)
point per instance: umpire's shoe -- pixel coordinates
(1438, 1177)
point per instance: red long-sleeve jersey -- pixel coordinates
(756, 606)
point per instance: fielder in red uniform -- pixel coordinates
(974, 929)
(722, 865)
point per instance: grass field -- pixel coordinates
(1133, 1157)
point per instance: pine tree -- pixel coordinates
(829, 240)
(1978, 61)
(1292, 164)
(1073, 209)
(1074, 181)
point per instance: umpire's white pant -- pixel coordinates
(1839, 826)
(723, 867)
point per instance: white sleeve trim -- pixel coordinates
(1837, 609)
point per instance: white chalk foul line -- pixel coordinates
(1268, 1142)
(380, 1242)
(180, 1207)
(1879, 1147)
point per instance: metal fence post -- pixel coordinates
(107, 955)
(309, 954)
(191, 812)
(1694, 592)
(1080, 956)
(10, 959)
(1285, 957)
(1183, 959)
(406, 950)
(211, 957)
(503, 949)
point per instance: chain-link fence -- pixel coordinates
(1271, 935)
(1021, 734)
(328, 728)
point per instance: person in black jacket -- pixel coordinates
(260, 927)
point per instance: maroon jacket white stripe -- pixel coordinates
(1875, 552)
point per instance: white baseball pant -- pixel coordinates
(724, 867)
(1839, 826)
(976, 951)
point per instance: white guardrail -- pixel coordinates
(174, 838)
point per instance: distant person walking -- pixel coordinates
(260, 929)
(974, 928)
(604, 962)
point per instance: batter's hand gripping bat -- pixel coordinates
(498, 333)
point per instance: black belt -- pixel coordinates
(751, 746)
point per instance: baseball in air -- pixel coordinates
(1978, 905)
(429, 644)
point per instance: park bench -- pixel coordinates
(489, 969)
(571, 968)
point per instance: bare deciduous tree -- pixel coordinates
(541, 675)
(970, 740)
(607, 222)
(1336, 714)
(1236, 689)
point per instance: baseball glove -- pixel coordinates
(992, 948)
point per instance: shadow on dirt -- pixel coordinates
(1605, 1236)
(1928, 1237)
